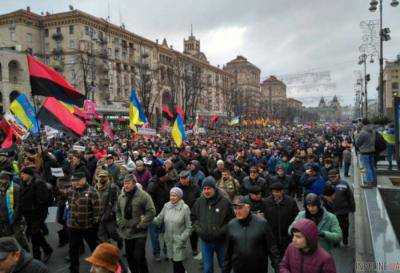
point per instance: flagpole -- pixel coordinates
(40, 137)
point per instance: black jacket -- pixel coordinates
(249, 243)
(343, 203)
(256, 206)
(280, 216)
(248, 184)
(159, 192)
(287, 182)
(27, 264)
(190, 193)
(211, 216)
(34, 200)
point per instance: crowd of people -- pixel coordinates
(250, 196)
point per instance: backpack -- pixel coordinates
(380, 143)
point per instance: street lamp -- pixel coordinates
(362, 60)
(384, 36)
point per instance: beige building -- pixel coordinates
(105, 61)
(391, 79)
(273, 90)
(246, 96)
(294, 104)
(13, 76)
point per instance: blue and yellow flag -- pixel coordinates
(24, 112)
(178, 131)
(136, 114)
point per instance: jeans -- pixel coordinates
(389, 151)
(207, 251)
(346, 168)
(154, 232)
(368, 162)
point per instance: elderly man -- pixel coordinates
(135, 212)
(249, 242)
(13, 259)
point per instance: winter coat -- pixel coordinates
(7, 221)
(312, 184)
(27, 264)
(190, 193)
(34, 201)
(365, 140)
(108, 202)
(328, 227)
(197, 177)
(84, 206)
(239, 176)
(317, 260)
(143, 212)
(347, 156)
(286, 181)
(230, 186)
(159, 192)
(210, 217)
(343, 202)
(256, 206)
(280, 216)
(176, 220)
(249, 243)
(248, 184)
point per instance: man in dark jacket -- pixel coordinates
(284, 179)
(190, 194)
(210, 216)
(249, 242)
(13, 259)
(255, 179)
(256, 202)
(280, 211)
(343, 202)
(159, 188)
(35, 202)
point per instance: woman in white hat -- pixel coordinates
(176, 217)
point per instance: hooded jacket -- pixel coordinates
(27, 264)
(328, 228)
(316, 260)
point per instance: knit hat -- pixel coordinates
(28, 171)
(312, 199)
(209, 181)
(106, 256)
(7, 246)
(277, 186)
(177, 191)
(220, 162)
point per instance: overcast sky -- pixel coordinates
(279, 36)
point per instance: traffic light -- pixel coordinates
(367, 77)
(385, 34)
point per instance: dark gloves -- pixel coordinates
(321, 234)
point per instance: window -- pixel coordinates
(29, 38)
(395, 86)
(87, 30)
(71, 44)
(58, 30)
(71, 29)
(46, 32)
(46, 47)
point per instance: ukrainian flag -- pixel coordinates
(24, 112)
(136, 114)
(178, 131)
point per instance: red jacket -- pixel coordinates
(317, 260)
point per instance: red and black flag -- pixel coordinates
(214, 119)
(6, 134)
(166, 112)
(45, 81)
(180, 112)
(56, 114)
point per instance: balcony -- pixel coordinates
(58, 51)
(57, 36)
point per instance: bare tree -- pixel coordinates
(193, 86)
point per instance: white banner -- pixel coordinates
(78, 148)
(57, 172)
(147, 131)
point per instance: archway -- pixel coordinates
(13, 71)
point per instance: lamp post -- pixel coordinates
(362, 60)
(384, 36)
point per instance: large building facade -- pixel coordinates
(391, 79)
(245, 97)
(105, 61)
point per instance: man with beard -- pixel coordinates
(108, 195)
(13, 259)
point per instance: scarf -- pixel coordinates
(128, 205)
(10, 203)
